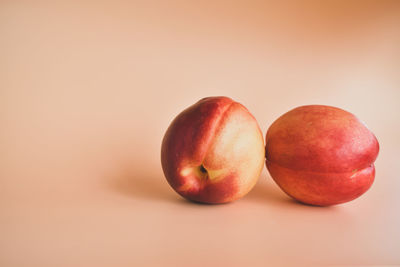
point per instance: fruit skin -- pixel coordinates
(213, 151)
(321, 155)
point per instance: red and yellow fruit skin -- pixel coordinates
(213, 152)
(321, 155)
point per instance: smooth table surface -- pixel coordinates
(88, 88)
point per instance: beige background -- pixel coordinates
(88, 88)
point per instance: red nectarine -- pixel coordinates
(321, 155)
(213, 152)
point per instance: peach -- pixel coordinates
(321, 155)
(213, 151)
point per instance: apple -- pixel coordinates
(321, 155)
(213, 151)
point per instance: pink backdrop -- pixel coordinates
(88, 88)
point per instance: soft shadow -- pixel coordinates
(141, 185)
(266, 190)
(184, 201)
(151, 186)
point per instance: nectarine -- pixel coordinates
(213, 152)
(321, 155)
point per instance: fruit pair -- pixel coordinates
(213, 152)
